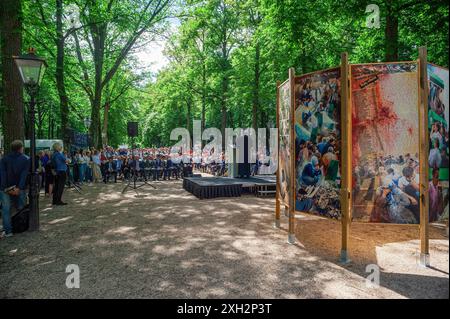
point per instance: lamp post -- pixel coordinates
(31, 69)
(87, 123)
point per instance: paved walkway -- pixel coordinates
(165, 243)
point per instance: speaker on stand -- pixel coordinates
(132, 129)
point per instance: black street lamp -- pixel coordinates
(87, 123)
(32, 68)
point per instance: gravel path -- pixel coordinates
(165, 243)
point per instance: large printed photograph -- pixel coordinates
(385, 137)
(438, 117)
(317, 143)
(284, 127)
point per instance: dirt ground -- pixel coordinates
(166, 243)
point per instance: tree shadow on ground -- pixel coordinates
(163, 244)
(394, 248)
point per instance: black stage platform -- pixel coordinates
(212, 187)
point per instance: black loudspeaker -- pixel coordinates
(244, 168)
(132, 129)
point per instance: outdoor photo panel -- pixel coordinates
(385, 137)
(438, 96)
(284, 127)
(317, 143)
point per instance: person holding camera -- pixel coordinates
(14, 169)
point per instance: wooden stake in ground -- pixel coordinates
(423, 158)
(277, 198)
(293, 183)
(346, 157)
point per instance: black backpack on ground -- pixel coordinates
(20, 221)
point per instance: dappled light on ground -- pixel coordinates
(167, 243)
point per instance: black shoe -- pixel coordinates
(61, 204)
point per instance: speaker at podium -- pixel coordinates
(243, 170)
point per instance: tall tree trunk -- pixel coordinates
(188, 115)
(223, 102)
(224, 112)
(60, 84)
(99, 46)
(391, 31)
(203, 96)
(203, 124)
(11, 44)
(255, 108)
(99, 133)
(105, 123)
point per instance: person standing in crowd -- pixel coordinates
(14, 169)
(110, 170)
(44, 160)
(88, 172)
(69, 176)
(81, 166)
(49, 178)
(118, 161)
(96, 163)
(40, 169)
(158, 167)
(60, 166)
(125, 168)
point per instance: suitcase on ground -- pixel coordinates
(20, 221)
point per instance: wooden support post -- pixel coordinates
(346, 156)
(423, 158)
(292, 186)
(277, 197)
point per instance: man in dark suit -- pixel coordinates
(167, 167)
(110, 170)
(148, 165)
(158, 167)
(136, 166)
